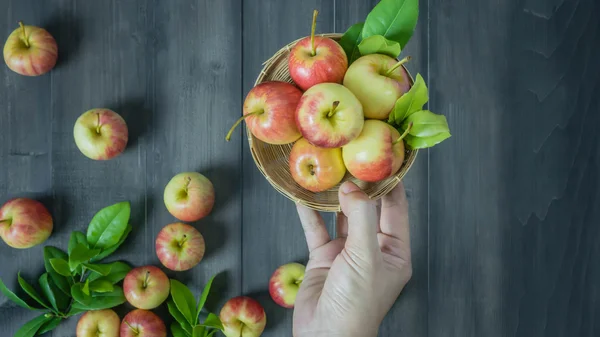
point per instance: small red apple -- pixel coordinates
(180, 246)
(142, 323)
(243, 314)
(146, 287)
(269, 111)
(30, 51)
(24, 223)
(285, 283)
(376, 154)
(314, 168)
(101, 134)
(97, 323)
(189, 196)
(317, 59)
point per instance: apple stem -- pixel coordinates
(401, 62)
(99, 125)
(312, 32)
(333, 107)
(188, 180)
(25, 39)
(311, 168)
(145, 284)
(183, 240)
(404, 134)
(135, 331)
(228, 137)
(9, 221)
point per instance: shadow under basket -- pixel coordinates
(273, 160)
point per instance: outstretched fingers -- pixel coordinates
(314, 227)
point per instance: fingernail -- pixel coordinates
(349, 187)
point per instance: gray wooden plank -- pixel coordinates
(408, 316)
(272, 234)
(514, 198)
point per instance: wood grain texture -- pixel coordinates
(513, 214)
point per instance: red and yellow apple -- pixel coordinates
(376, 154)
(269, 111)
(285, 283)
(101, 134)
(329, 115)
(96, 323)
(142, 323)
(180, 246)
(317, 59)
(377, 81)
(243, 316)
(146, 287)
(189, 196)
(315, 168)
(24, 223)
(30, 51)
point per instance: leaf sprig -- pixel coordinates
(74, 281)
(186, 312)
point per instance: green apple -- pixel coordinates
(377, 81)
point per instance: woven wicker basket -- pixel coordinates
(273, 163)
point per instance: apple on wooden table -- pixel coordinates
(329, 115)
(30, 51)
(101, 134)
(189, 196)
(377, 81)
(377, 153)
(146, 287)
(180, 246)
(25, 223)
(269, 110)
(285, 283)
(317, 59)
(315, 168)
(243, 316)
(96, 323)
(143, 323)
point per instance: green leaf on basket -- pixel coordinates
(394, 19)
(422, 143)
(411, 102)
(49, 325)
(118, 271)
(204, 296)
(184, 300)
(80, 254)
(350, 41)
(425, 124)
(31, 328)
(30, 290)
(16, 299)
(47, 291)
(177, 331)
(178, 316)
(108, 251)
(108, 225)
(60, 266)
(378, 44)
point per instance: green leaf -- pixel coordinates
(80, 254)
(108, 225)
(204, 296)
(80, 296)
(49, 325)
(75, 310)
(421, 143)
(177, 331)
(425, 124)
(63, 300)
(411, 102)
(30, 290)
(86, 287)
(13, 297)
(47, 291)
(60, 282)
(101, 286)
(211, 333)
(184, 300)
(198, 331)
(350, 41)
(102, 269)
(378, 44)
(60, 266)
(118, 271)
(178, 316)
(32, 327)
(76, 238)
(213, 321)
(52, 253)
(394, 19)
(108, 251)
(106, 300)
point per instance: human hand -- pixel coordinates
(352, 282)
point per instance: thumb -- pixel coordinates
(361, 212)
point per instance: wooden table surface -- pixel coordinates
(504, 215)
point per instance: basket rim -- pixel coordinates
(397, 177)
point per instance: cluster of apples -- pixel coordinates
(335, 115)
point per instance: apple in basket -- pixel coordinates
(317, 59)
(316, 168)
(269, 111)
